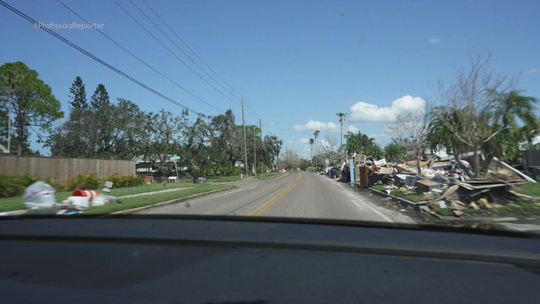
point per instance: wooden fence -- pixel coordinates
(61, 169)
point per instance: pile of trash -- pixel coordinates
(446, 184)
(39, 199)
(455, 194)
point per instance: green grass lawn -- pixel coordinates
(232, 178)
(520, 207)
(140, 201)
(17, 202)
(530, 189)
(268, 175)
(438, 209)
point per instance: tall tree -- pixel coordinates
(272, 146)
(329, 149)
(341, 120)
(196, 148)
(77, 94)
(166, 132)
(411, 130)
(73, 142)
(357, 142)
(32, 100)
(226, 139)
(394, 152)
(315, 135)
(311, 141)
(474, 96)
(113, 131)
(290, 160)
(100, 98)
(520, 124)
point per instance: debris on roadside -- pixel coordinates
(39, 199)
(444, 185)
(108, 186)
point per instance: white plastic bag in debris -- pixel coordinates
(39, 199)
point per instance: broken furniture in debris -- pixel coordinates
(444, 184)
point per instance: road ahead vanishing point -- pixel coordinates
(298, 194)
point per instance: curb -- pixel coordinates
(402, 200)
(170, 202)
(271, 177)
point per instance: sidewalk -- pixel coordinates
(154, 192)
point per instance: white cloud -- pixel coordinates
(290, 142)
(531, 71)
(313, 125)
(303, 141)
(377, 135)
(367, 112)
(352, 129)
(434, 40)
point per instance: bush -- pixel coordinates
(85, 181)
(117, 180)
(12, 185)
(132, 181)
(125, 181)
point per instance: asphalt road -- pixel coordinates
(298, 194)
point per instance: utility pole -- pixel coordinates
(254, 153)
(260, 127)
(260, 131)
(245, 140)
(286, 156)
(9, 119)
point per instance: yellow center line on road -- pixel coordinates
(271, 202)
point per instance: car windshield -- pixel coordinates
(391, 112)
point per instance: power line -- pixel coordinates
(226, 90)
(167, 25)
(183, 62)
(140, 60)
(253, 109)
(37, 132)
(29, 19)
(252, 114)
(249, 106)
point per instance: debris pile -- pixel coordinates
(39, 199)
(442, 184)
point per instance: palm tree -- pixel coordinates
(341, 120)
(512, 107)
(440, 135)
(316, 134)
(311, 141)
(358, 143)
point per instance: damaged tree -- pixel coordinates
(411, 131)
(474, 96)
(329, 149)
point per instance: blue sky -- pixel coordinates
(295, 61)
